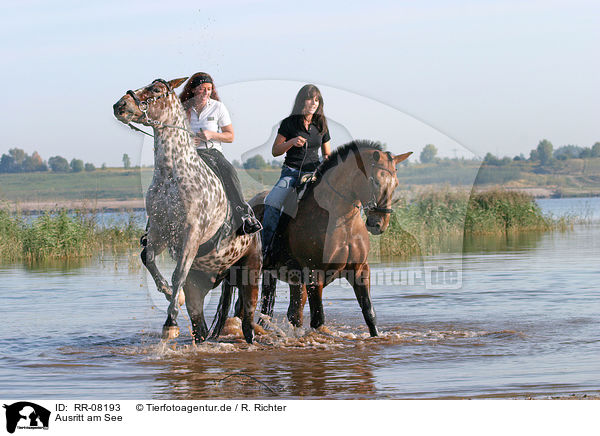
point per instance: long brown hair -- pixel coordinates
(194, 81)
(305, 93)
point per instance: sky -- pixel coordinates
(471, 77)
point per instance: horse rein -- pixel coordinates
(143, 106)
(349, 200)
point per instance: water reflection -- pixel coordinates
(294, 373)
(58, 265)
(501, 242)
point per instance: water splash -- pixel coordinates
(280, 335)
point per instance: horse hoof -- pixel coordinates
(198, 339)
(170, 332)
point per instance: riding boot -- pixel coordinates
(270, 220)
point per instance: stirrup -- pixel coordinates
(250, 225)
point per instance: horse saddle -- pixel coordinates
(304, 183)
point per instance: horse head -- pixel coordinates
(380, 170)
(151, 105)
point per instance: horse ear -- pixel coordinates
(175, 83)
(376, 156)
(401, 157)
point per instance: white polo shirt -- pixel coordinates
(212, 117)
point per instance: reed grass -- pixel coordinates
(501, 211)
(436, 221)
(61, 235)
(11, 244)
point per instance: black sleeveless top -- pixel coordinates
(307, 156)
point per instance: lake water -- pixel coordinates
(506, 317)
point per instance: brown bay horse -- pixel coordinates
(327, 238)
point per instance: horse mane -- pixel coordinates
(340, 154)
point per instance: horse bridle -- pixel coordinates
(143, 106)
(372, 203)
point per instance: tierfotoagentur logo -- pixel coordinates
(26, 416)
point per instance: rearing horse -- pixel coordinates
(327, 238)
(187, 208)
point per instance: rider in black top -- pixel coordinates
(306, 157)
(299, 136)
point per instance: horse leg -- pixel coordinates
(315, 301)
(361, 284)
(195, 304)
(188, 253)
(148, 256)
(249, 300)
(238, 308)
(269, 284)
(222, 308)
(297, 302)
(248, 286)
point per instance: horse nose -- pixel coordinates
(120, 107)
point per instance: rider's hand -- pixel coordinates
(204, 135)
(298, 141)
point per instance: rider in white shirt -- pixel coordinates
(212, 117)
(211, 122)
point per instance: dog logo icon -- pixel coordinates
(26, 415)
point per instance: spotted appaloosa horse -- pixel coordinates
(328, 238)
(186, 206)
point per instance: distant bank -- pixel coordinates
(116, 189)
(105, 205)
(112, 189)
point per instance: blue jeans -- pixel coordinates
(282, 196)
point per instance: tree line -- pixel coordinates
(543, 154)
(18, 161)
(256, 162)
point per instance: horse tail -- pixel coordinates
(222, 309)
